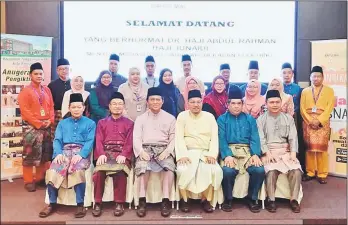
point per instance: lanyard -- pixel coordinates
(38, 95)
(154, 81)
(317, 97)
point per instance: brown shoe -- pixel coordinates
(165, 207)
(295, 207)
(207, 207)
(97, 210)
(141, 211)
(80, 212)
(119, 210)
(48, 210)
(322, 181)
(30, 187)
(184, 206)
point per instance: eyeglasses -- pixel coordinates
(106, 78)
(219, 84)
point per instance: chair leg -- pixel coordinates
(263, 204)
(130, 205)
(220, 206)
(173, 205)
(177, 205)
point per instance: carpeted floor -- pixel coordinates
(320, 202)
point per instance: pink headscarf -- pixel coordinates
(186, 90)
(252, 104)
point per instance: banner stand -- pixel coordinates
(18, 52)
(332, 56)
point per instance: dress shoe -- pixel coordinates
(254, 206)
(322, 181)
(30, 187)
(119, 210)
(207, 207)
(141, 211)
(97, 210)
(307, 178)
(165, 207)
(295, 207)
(271, 206)
(80, 212)
(184, 206)
(227, 206)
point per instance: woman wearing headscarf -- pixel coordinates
(134, 92)
(253, 100)
(170, 94)
(216, 101)
(100, 96)
(287, 100)
(77, 86)
(191, 83)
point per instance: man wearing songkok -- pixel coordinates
(240, 149)
(187, 67)
(150, 67)
(36, 106)
(72, 147)
(117, 79)
(290, 87)
(253, 73)
(294, 90)
(113, 152)
(317, 103)
(197, 149)
(225, 72)
(58, 88)
(153, 141)
(279, 144)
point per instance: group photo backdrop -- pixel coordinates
(211, 32)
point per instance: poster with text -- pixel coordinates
(332, 56)
(18, 52)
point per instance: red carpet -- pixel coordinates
(322, 204)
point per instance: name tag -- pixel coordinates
(314, 109)
(42, 112)
(139, 108)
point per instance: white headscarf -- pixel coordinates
(66, 98)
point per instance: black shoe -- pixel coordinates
(271, 206)
(295, 207)
(322, 181)
(97, 210)
(254, 206)
(307, 178)
(119, 210)
(227, 206)
(185, 206)
(165, 207)
(141, 211)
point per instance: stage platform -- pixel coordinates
(322, 204)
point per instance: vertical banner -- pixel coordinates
(332, 56)
(18, 52)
